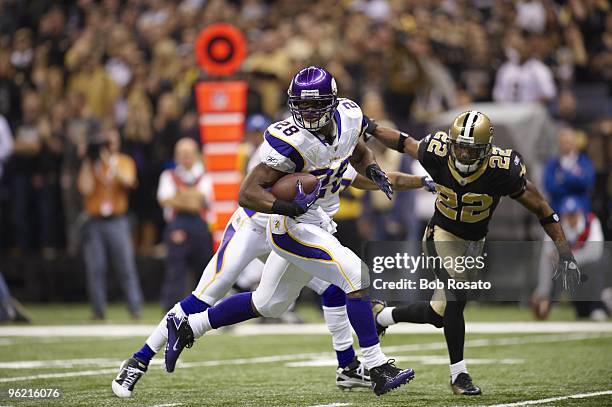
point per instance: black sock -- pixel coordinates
(417, 313)
(454, 330)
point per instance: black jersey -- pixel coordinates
(465, 204)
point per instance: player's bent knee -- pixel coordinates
(362, 293)
(273, 310)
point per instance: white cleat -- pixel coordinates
(130, 372)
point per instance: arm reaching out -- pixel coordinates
(363, 161)
(400, 181)
(567, 267)
(391, 138)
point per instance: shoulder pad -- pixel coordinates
(285, 130)
(349, 108)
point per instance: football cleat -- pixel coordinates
(180, 336)
(353, 376)
(130, 372)
(377, 306)
(387, 377)
(463, 386)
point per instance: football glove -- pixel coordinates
(304, 200)
(568, 271)
(428, 184)
(379, 177)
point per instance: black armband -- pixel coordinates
(282, 207)
(553, 218)
(400, 142)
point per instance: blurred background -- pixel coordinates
(88, 87)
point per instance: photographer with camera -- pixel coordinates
(104, 181)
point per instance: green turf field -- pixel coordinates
(282, 370)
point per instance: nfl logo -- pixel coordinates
(219, 100)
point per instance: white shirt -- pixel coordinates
(6, 142)
(168, 188)
(289, 148)
(529, 82)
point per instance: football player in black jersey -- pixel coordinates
(471, 176)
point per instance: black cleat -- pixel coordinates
(388, 377)
(377, 306)
(130, 372)
(180, 336)
(352, 376)
(463, 386)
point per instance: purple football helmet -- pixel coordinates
(312, 97)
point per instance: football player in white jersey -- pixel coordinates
(244, 241)
(321, 137)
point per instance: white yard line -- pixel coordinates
(167, 405)
(331, 405)
(322, 355)
(553, 399)
(113, 330)
(63, 363)
(59, 375)
(423, 360)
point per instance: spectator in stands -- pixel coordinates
(255, 126)
(569, 173)
(6, 149)
(10, 308)
(185, 193)
(523, 77)
(105, 178)
(10, 97)
(584, 232)
(35, 173)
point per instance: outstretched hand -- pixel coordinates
(381, 180)
(568, 271)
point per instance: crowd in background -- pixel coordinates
(74, 68)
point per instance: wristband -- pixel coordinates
(400, 142)
(553, 218)
(282, 207)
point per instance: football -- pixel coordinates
(285, 188)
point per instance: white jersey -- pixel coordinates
(289, 148)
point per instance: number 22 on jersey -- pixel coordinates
(473, 208)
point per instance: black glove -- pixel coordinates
(568, 271)
(379, 177)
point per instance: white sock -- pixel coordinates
(159, 336)
(385, 317)
(339, 326)
(457, 368)
(199, 323)
(373, 356)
